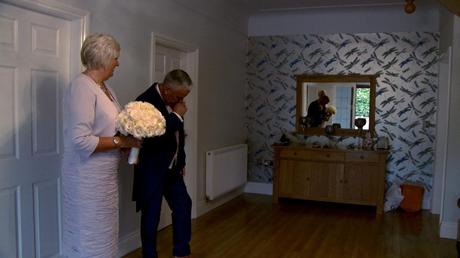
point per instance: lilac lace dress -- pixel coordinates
(89, 180)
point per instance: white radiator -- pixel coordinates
(226, 170)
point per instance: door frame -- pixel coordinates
(79, 24)
(191, 66)
(440, 161)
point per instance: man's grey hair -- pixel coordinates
(321, 93)
(98, 50)
(177, 78)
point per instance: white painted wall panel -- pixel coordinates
(45, 40)
(47, 225)
(160, 63)
(7, 113)
(9, 219)
(8, 30)
(45, 110)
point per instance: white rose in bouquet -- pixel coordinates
(141, 120)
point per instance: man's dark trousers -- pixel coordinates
(175, 193)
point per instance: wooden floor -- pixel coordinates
(251, 226)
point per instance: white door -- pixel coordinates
(34, 57)
(167, 59)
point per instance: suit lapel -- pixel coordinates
(158, 101)
(161, 106)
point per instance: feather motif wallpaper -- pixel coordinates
(406, 93)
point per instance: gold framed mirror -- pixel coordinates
(335, 104)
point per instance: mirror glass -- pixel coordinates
(341, 101)
(347, 101)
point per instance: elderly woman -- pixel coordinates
(91, 154)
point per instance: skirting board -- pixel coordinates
(129, 243)
(448, 230)
(259, 188)
(267, 189)
(426, 203)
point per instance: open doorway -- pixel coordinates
(168, 54)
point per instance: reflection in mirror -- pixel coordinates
(347, 101)
(337, 101)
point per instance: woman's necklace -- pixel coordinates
(105, 90)
(102, 86)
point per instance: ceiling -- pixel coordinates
(259, 6)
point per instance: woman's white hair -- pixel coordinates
(98, 50)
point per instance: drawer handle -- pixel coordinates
(328, 155)
(308, 179)
(295, 153)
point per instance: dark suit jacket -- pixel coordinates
(315, 113)
(156, 153)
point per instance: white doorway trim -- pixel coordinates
(192, 68)
(441, 144)
(78, 18)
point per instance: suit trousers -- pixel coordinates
(175, 193)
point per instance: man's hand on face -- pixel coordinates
(180, 108)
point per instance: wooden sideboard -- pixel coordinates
(333, 175)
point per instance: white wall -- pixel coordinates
(344, 20)
(450, 213)
(222, 61)
(446, 25)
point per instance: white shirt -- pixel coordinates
(176, 132)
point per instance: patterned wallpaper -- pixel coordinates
(406, 93)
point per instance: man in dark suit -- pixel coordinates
(317, 111)
(160, 169)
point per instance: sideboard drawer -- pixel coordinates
(327, 156)
(362, 157)
(312, 155)
(293, 153)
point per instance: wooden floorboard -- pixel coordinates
(250, 226)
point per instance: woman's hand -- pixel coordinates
(129, 142)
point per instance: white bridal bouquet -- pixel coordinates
(141, 120)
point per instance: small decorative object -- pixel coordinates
(360, 123)
(367, 144)
(382, 143)
(410, 6)
(304, 122)
(336, 126)
(284, 140)
(329, 130)
(316, 145)
(141, 120)
(393, 198)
